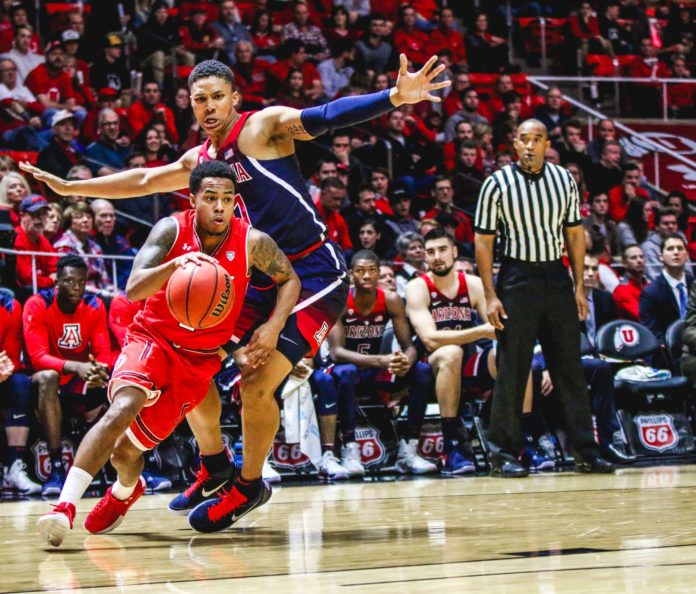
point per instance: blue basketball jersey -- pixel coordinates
(272, 196)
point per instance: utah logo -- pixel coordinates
(625, 336)
(71, 338)
(230, 256)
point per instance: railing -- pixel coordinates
(540, 81)
(593, 80)
(114, 258)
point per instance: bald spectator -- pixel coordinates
(62, 151)
(627, 294)
(33, 212)
(21, 53)
(110, 242)
(551, 113)
(310, 35)
(230, 28)
(108, 153)
(606, 131)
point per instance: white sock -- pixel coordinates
(76, 484)
(121, 492)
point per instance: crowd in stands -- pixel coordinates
(93, 90)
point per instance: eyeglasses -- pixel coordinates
(109, 124)
(340, 144)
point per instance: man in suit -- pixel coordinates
(665, 300)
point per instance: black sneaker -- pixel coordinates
(204, 487)
(217, 514)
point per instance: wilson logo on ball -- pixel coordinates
(221, 307)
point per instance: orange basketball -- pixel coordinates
(200, 297)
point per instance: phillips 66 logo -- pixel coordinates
(372, 450)
(288, 455)
(43, 460)
(657, 432)
(430, 443)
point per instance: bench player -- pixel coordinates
(355, 346)
(164, 370)
(259, 149)
(440, 305)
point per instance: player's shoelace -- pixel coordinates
(62, 508)
(201, 476)
(229, 501)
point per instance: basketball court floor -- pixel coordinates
(562, 532)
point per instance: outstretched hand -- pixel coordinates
(412, 87)
(58, 185)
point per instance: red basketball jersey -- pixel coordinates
(231, 254)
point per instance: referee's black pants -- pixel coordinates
(540, 303)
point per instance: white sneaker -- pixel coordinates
(269, 473)
(330, 467)
(16, 478)
(350, 459)
(409, 462)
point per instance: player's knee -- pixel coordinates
(447, 356)
(124, 408)
(47, 381)
(346, 374)
(123, 455)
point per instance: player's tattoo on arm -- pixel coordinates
(157, 246)
(296, 130)
(267, 257)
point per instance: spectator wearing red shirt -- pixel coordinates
(201, 39)
(294, 49)
(250, 78)
(331, 196)
(646, 98)
(69, 349)
(627, 294)
(409, 40)
(443, 192)
(150, 110)
(30, 238)
(52, 86)
(453, 102)
(682, 96)
(15, 396)
(619, 196)
(107, 98)
(445, 37)
(264, 39)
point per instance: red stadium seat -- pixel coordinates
(53, 8)
(17, 156)
(532, 33)
(602, 65)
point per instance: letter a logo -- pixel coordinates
(71, 338)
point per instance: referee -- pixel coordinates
(535, 207)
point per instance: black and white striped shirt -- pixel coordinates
(529, 210)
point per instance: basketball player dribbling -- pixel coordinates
(164, 369)
(259, 149)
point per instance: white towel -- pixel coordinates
(300, 418)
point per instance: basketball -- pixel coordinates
(200, 297)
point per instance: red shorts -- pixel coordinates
(175, 381)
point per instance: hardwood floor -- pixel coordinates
(564, 532)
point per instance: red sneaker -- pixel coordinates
(54, 525)
(109, 511)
